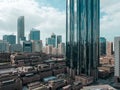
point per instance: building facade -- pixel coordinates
(61, 49)
(34, 34)
(37, 46)
(4, 46)
(117, 56)
(59, 39)
(109, 49)
(27, 46)
(102, 46)
(82, 36)
(20, 29)
(11, 39)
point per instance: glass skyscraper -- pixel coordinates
(34, 34)
(59, 39)
(20, 29)
(102, 46)
(11, 39)
(82, 36)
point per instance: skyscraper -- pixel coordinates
(82, 36)
(102, 46)
(109, 49)
(59, 39)
(20, 29)
(34, 34)
(117, 58)
(53, 37)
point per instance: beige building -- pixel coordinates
(109, 48)
(37, 46)
(54, 51)
(99, 87)
(61, 49)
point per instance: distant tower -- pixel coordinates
(34, 34)
(102, 46)
(59, 39)
(20, 29)
(53, 37)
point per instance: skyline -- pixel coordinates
(48, 16)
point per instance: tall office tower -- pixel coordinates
(20, 29)
(53, 37)
(59, 39)
(109, 48)
(102, 46)
(34, 34)
(117, 58)
(82, 37)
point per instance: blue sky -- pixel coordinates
(49, 16)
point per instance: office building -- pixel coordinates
(54, 51)
(11, 39)
(117, 56)
(102, 46)
(37, 46)
(82, 37)
(61, 49)
(109, 48)
(20, 29)
(59, 39)
(4, 46)
(34, 34)
(27, 46)
(53, 37)
(15, 48)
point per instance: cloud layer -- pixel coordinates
(110, 23)
(45, 18)
(49, 17)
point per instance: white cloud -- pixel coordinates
(45, 18)
(110, 21)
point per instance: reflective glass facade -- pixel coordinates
(34, 34)
(102, 46)
(20, 29)
(82, 36)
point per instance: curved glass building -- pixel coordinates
(82, 36)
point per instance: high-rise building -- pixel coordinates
(34, 34)
(102, 46)
(4, 46)
(109, 49)
(20, 29)
(59, 39)
(11, 39)
(117, 57)
(82, 37)
(53, 37)
(27, 46)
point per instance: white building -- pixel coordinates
(117, 56)
(4, 46)
(37, 46)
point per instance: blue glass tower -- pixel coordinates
(82, 36)
(11, 39)
(102, 46)
(34, 34)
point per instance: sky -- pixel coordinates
(49, 16)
